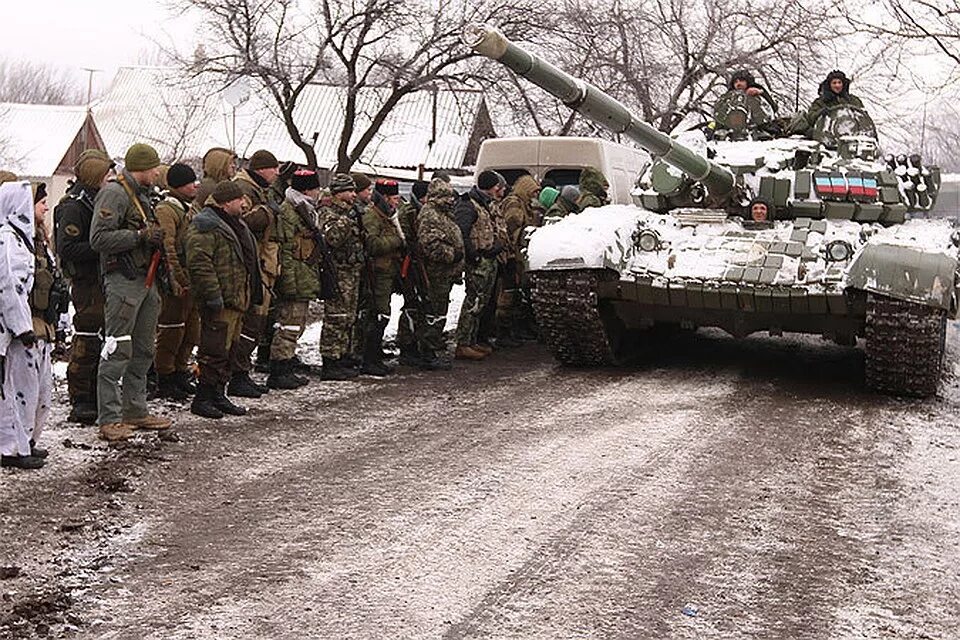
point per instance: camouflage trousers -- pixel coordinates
(130, 328)
(178, 331)
(480, 280)
(340, 315)
(291, 321)
(219, 333)
(87, 297)
(432, 318)
(254, 326)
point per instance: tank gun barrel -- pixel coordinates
(597, 107)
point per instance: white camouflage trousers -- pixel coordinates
(27, 386)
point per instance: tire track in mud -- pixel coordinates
(359, 476)
(768, 540)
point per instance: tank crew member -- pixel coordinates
(178, 328)
(223, 267)
(27, 377)
(299, 280)
(521, 209)
(593, 189)
(261, 218)
(407, 218)
(761, 210)
(384, 248)
(834, 90)
(81, 264)
(743, 80)
(564, 205)
(440, 249)
(341, 231)
(125, 233)
(474, 213)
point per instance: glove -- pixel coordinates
(152, 235)
(214, 305)
(27, 338)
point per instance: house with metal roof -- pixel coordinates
(426, 131)
(42, 142)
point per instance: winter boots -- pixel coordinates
(469, 352)
(83, 412)
(170, 386)
(338, 369)
(203, 404)
(283, 377)
(373, 351)
(243, 386)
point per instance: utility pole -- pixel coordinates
(86, 124)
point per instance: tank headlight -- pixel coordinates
(839, 251)
(648, 240)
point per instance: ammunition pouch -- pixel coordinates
(50, 296)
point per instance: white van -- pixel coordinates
(562, 159)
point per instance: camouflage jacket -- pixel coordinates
(341, 230)
(440, 240)
(299, 262)
(474, 217)
(593, 189)
(383, 243)
(221, 265)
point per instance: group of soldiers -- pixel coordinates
(159, 264)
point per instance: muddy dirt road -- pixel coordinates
(721, 489)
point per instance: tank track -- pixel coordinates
(904, 346)
(566, 306)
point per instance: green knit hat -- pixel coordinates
(141, 157)
(548, 195)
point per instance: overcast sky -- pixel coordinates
(97, 34)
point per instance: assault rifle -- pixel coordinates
(321, 257)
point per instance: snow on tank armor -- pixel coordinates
(840, 259)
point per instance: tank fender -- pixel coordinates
(906, 273)
(600, 237)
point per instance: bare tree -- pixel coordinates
(933, 22)
(271, 42)
(33, 83)
(668, 58)
(378, 51)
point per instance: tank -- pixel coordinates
(846, 255)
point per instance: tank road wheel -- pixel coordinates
(572, 323)
(904, 345)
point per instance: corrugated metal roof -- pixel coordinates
(34, 138)
(145, 104)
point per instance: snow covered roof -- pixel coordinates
(183, 119)
(35, 138)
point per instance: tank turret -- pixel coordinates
(601, 109)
